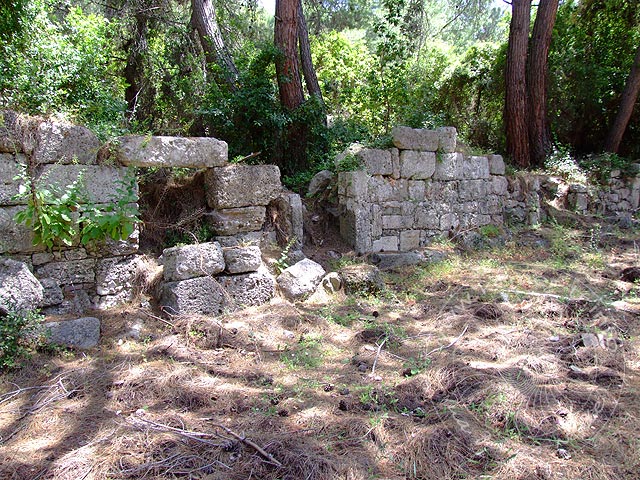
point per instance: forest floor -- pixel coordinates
(517, 362)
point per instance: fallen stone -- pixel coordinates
(80, 333)
(320, 182)
(300, 280)
(361, 279)
(202, 295)
(242, 259)
(20, 291)
(158, 151)
(590, 340)
(191, 261)
(250, 289)
(391, 261)
(332, 282)
(236, 186)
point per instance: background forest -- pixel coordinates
(179, 67)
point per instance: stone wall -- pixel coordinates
(421, 189)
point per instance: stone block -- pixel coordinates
(499, 185)
(449, 221)
(202, 295)
(496, 165)
(98, 182)
(397, 260)
(409, 240)
(355, 227)
(79, 333)
(472, 189)
(233, 221)
(427, 219)
(388, 243)
(171, 152)
(236, 186)
(376, 221)
(19, 289)
(249, 289)
(10, 132)
(472, 220)
(63, 143)
(191, 261)
(450, 166)
(417, 189)
(417, 165)
(361, 279)
(376, 161)
(15, 237)
(52, 293)
(320, 182)
(447, 139)
(69, 273)
(353, 184)
(242, 259)
(476, 168)
(300, 280)
(406, 138)
(115, 276)
(395, 162)
(289, 219)
(394, 222)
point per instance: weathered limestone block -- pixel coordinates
(499, 185)
(442, 192)
(52, 293)
(381, 189)
(376, 161)
(290, 218)
(409, 240)
(447, 139)
(19, 289)
(355, 227)
(417, 189)
(250, 289)
(300, 280)
(361, 279)
(9, 132)
(395, 162)
(392, 261)
(320, 182)
(417, 165)
(100, 183)
(236, 186)
(79, 333)
(450, 166)
(427, 219)
(69, 272)
(476, 167)
(472, 220)
(496, 165)
(387, 243)
(406, 138)
(202, 295)
(232, 221)
(472, 189)
(116, 275)
(376, 221)
(9, 170)
(395, 222)
(449, 221)
(191, 261)
(353, 184)
(76, 302)
(194, 152)
(15, 237)
(242, 259)
(63, 143)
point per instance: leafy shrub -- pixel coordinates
(20, 334)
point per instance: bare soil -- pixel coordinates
(480, 366)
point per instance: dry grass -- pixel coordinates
(471, 381)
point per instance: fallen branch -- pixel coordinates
(453, 342)
(158, 318)
(549, 295)
(375, 360)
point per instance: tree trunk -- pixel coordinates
(133, 70)
(310, 77)
(203, 19)
(285, 39)
(627, 102)
(537, 69)
(516, 91)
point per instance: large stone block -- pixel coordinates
(376, 161)
(69, 273)
(409, 240)
(116, 276)
(355, 227)
(194, 152)
(449, 221)
(191, 261)
(450, 166)
(10, 132)
(427, 219)
(406, 138)
(353, 184)
(472, 189)
(476, 168)
(64, 143)
(447, 139)
(236, 186)
(79, 333)
(417, 189)
(202, 295)
(301, 279)
(233, 221)
(417, 165)
(242, 259)
(250, 289)
(496, 165)
(15, 237)
(98, 182)
(499, 185)
(19, 289)
(388, 243)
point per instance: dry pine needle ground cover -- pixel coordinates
(519, 362)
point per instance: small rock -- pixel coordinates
(363, 367)
(332, 282)
(299, 280)
(328, 387)
(563, 453)
(590, 340)
(362, 279)
(344, 391)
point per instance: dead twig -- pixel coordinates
(150, 315)
(453, 342)
(375, 360)
(192, 435)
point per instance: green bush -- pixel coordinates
(20, 334)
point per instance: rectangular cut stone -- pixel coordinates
(191, 261)
(449, 221)
(232, 221)
(202, 295)
(377, 162)
(395, 162)
(409, 240)
(406, 138)
(69, 273)
(236, 186)
(15, 237)
(380, 190)
(476, 167)
(427, 219)
(353, 184)
(376, 221)
(98, 182)
(417, 165)
(499, 185)
(417, 190)
(64, 143)
(116, 275)
(385, 244)
(474, 220)
(447, 139)
(472, 189)
(449, 167)
(249, 289)
(496, 165)
(355, 227)
(157, 151)
(393, 222)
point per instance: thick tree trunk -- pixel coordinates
(286, 40)
(133, 73)
(537, 68)
(627, 102)
(309, 73)
(516, 89)
(203, 19)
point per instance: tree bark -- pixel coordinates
(516, 88)
(285, 39)
(627, 102)
(537, 80)
(309, 73)
(203, 19)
